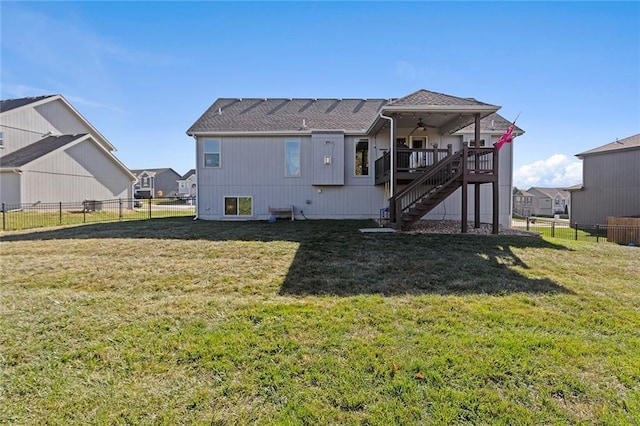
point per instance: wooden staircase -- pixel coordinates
(427, 191)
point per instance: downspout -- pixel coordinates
(195, 138)
(392, 149)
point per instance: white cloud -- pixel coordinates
(556, 171)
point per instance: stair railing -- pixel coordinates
(439, 175)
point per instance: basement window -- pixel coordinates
(238, 206)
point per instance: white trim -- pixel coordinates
(286, 174)
(205, 152)
(294, 133)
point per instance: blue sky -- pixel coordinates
(143, 72)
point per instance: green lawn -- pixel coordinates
(172, 321)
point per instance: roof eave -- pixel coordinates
(462, 109)
(307, 132)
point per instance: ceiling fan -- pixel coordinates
(422, 125)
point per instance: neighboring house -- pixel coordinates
(155, 183)
(610, 183)
(332, 158)
(51, 153)
(187, 185)
(522, 203)
(549, 201)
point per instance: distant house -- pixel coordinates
(610, 183)
(522, 203)
(187, 185)
(51, 153)
(351, 158)
(155, 183)
(549, 201)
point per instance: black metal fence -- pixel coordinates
(35, 215)
(619, 234)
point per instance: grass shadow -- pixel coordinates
(334, 258)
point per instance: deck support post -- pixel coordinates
(496, 194)
(465, 195)
(476, 206)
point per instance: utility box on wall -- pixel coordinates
(327, 158)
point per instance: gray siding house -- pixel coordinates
(610, 183)
(549, 201)
(522, 203)
(50, 153)
(156, 183)
(187, 185)
(349, 158)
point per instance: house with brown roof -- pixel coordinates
(610, 183)
(415, 157)
(51, 153)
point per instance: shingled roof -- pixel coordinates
(36, 150)
(281, 115)
(426, 97)
(632, 142)
(493, 123)
(9, 104)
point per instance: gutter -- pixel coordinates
(307, 132)
(195, 138)
(392, 149)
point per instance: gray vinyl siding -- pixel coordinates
(21, 128)
(10, 188)
(611, 187)
(64, 176)
(328, 147)
(62, 118)
(255, 167)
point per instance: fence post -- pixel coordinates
(597, 232)
(60, 213)
(149, 208)
(4, 223)
(119, 208)
(84, 212)
(528, 223)
(553, 229)
(576, 232)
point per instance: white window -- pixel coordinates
(212, 153)
(472, 142)
(238, 206)
(292, 158)
(362, 157)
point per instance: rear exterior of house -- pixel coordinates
(51, 153)
(332, 158)
(610, 185)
